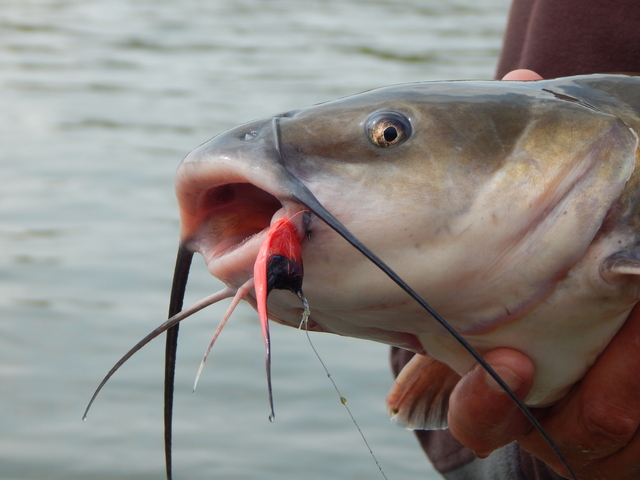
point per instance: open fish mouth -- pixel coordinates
(239, 211)
(236, 218)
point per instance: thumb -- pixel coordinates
(481, 415)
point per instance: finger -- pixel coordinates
(522, 75)
(481, 415)
(623, 465)
(600, 415)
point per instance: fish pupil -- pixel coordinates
(284, 274)
(390, 134)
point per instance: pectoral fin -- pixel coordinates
(625, 262)
(419, 399)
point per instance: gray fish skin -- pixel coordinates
(512, 208)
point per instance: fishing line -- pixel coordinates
(343, 400)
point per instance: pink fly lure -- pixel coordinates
(278, 266)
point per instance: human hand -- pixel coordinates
(522, 74)
(595, 425)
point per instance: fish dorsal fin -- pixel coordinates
(419, 398)
(623, 263)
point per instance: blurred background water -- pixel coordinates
(99, 101)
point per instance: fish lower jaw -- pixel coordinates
(232, 262)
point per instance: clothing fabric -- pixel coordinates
(558, 38)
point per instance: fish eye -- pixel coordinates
(387, 129)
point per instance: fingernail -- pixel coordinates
(481, 456)
(513, 381)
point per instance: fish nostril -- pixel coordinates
(250, 135)
(221, 195)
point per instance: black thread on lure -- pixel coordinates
(284, 274)
(304, 196)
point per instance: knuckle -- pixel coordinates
(609, 424)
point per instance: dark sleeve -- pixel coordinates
(558, 38)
